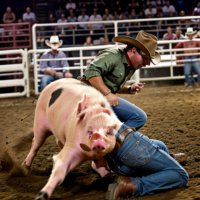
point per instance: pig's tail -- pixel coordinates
(36, 98)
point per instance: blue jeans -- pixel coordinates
(45, 80)
(188, 69)
(148, 163)
(131, 115)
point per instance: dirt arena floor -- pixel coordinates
(173, 117)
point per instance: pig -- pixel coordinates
(82, 122)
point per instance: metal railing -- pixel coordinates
(9, 74)
(168, 57)
(15, 36)
(120, 27)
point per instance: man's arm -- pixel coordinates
(179, 45)
(98, 83)
(66, 65)
(44, 68)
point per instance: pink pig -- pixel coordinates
(82, 122)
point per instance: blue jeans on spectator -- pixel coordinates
(131, 115)
(147, 163)
(45, 80)
(188, 69)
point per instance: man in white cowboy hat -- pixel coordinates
(111, 68)
(52, 69)
(191, 64)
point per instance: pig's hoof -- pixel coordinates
(27, 167)
(42, 196)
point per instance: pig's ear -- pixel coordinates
(106, 110)
(81, 106)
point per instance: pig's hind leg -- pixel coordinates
(41, 133)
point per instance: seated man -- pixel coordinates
(48, 68)
(144, 165)
(169, 35)
(29, 16)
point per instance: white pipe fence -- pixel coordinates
(15, 70)
(168, 58)
(168, 61)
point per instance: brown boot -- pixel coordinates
(122, 188)
(180, 157)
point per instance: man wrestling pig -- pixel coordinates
(85, 128)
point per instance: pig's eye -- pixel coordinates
(109, 133)
(90, 134)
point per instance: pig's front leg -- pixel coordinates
(101, 167)
(66, 161)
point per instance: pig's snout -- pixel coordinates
(98, 146)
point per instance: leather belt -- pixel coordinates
(120, 140)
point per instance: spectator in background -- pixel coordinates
(71, 18)
(104, 40)
(178, 32)
(171, 14)
(107, 17)
(122, 16)
(88, 41)
(83, 18)
(29, 16)
(196, 10)
(132, 14)
(59, 12)
(115, 16)
(95, 17)
(49, 20)
(169, 35)
(160, 15)
(137, 8)
(141, 16)
(70, 5)
(48, 68)
(183, 21)
(130, 7)
(89, 52)
(62, 20)
(9, 16)
(189, 65)
(153, 3)
(168, 8)
(20, 27)
(150, 12)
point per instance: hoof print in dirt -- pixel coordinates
(42, 196)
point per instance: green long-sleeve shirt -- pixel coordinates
(112, 66)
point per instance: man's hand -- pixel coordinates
(51, 72)
(68, 75)
(112, 99)
(136, 87)
(59, 75)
